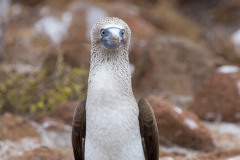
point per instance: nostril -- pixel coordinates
(114, 40)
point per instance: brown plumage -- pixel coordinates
(148, 130)
(79, 130)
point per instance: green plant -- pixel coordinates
(40, 92)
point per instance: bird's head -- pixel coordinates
(111, 34)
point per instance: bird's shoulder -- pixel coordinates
(79, 118)
(146, 113)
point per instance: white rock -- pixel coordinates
(229, 128)
(53, 27)
(60, 136)
(236, 37)
(234, 158)
(10, 148)
(178, 110)
(191, 124)
(228, 69)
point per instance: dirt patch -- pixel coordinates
(64, 112)
(45, 153)
(218, 98)
(221, 155)
(181, 127)
(15, 128)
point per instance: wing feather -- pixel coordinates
(149, 130)
(79, 131)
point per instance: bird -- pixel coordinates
(110, 124)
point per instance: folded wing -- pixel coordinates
(79, 131)
(149, 130)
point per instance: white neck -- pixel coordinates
(110, 72)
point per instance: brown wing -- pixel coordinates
(79, 131)
(149, 130)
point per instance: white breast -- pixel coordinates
(112, 127)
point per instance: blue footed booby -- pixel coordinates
(110, 124)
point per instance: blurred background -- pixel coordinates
(184, 55)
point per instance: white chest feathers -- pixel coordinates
(112, 126)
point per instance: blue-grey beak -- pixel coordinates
(112, 37)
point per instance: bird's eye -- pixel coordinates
(102, 32)
(123, 32)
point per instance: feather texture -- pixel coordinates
(79, 131)
(110, 127)
(149, 130)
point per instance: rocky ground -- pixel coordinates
(23, 139)
(185, 58)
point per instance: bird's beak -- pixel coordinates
(113, 39)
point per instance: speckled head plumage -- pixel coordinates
(111, 34)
